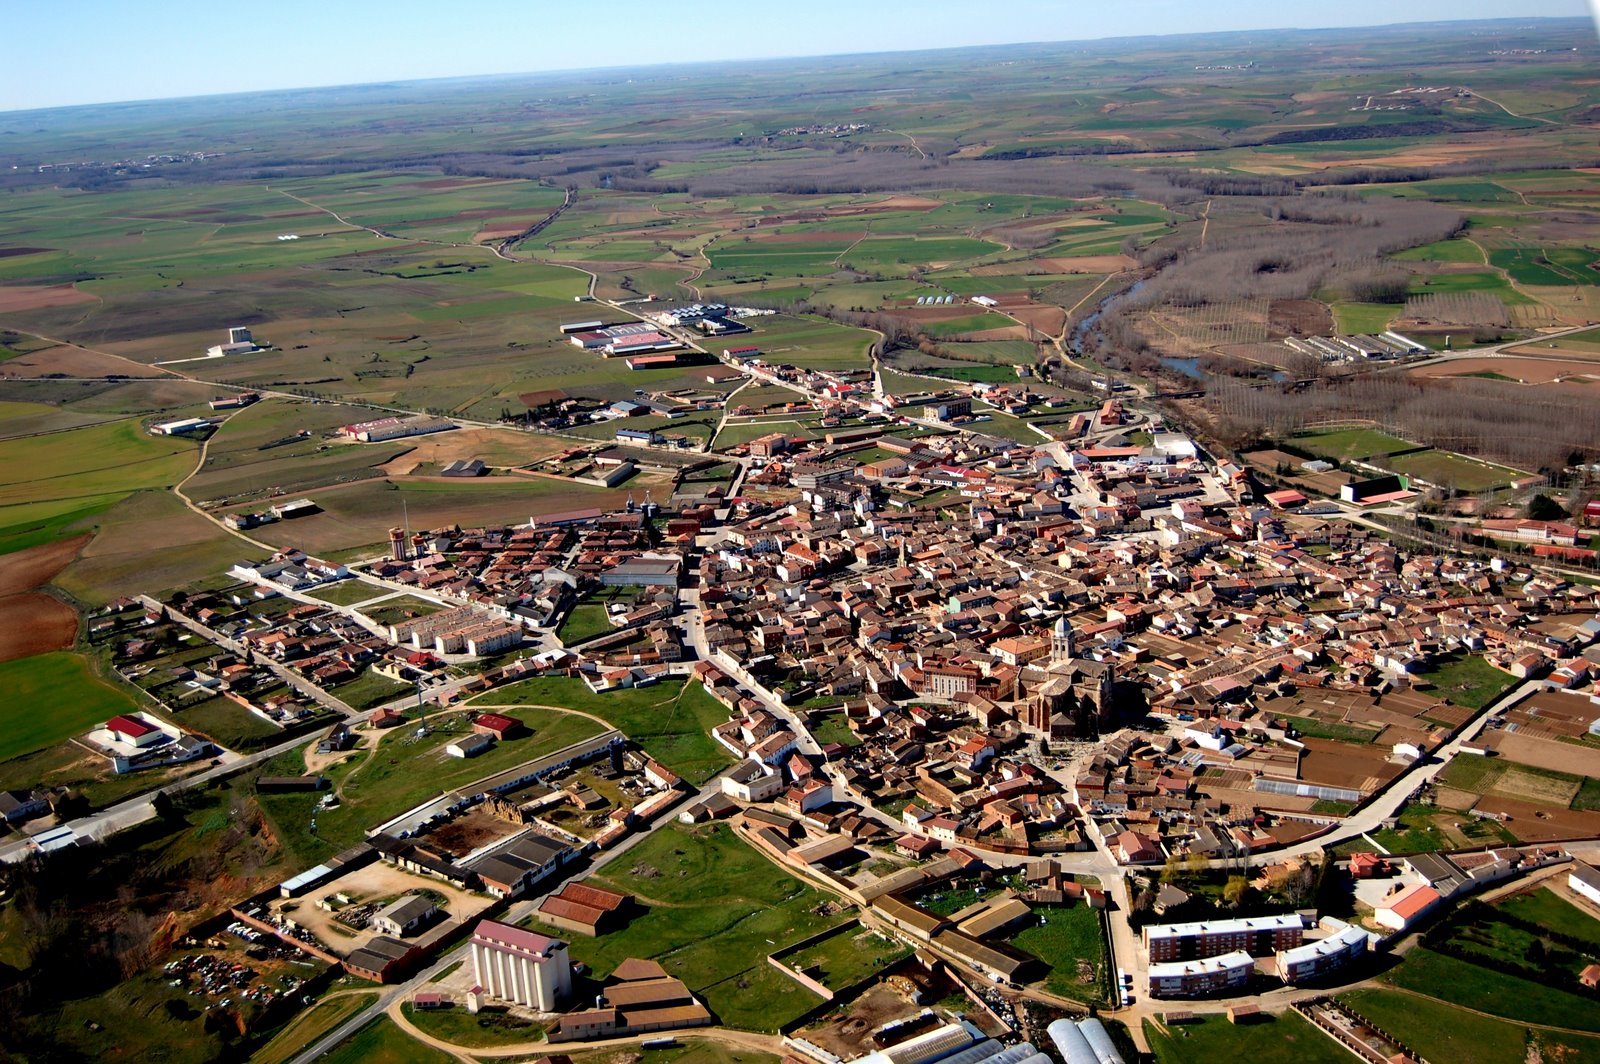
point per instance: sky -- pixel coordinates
(101, 51)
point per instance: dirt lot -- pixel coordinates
(376, 882)
(1299, 317)
(467, 833)
(1538, 823)
(851, 1035)
(1337, 764)
(1548, 754)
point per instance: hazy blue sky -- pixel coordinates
(89, 51)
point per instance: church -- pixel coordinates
(1068, 698)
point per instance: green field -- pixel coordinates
(51, 697)
(585, 621)
(1453, 471)
(671, 720)
(1066, 937)
(846, 959)
(1346, 444)
(490, 1027)
(1438, 1031)
(713, 909)
(1466, 679)
(1373, 318)
(1281, 1039)
(1498, 993)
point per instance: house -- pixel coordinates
(521, 967)
(470, 745)
(18, 806)
(406, 916)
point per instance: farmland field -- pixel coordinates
(51, 697)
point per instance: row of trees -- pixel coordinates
(1540, 431)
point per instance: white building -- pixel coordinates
(520, 966)
(1345, 944)
(1586, 881)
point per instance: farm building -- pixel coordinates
(464, 468)
(470, 745)
(520, 966)
(405, 916)
(394, 428)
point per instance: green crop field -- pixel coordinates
(1364, 317)
(713, 909)
(51, 697)
(672, 720)
(1280, 1039)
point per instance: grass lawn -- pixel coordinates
(371, 689)
(1467, 680)
(1067, 936)
(52, 697)
(671, 720)
(381, 1042)
(712, 909)
(831, 728)
(311, 1025)
(491, 1027)
(846, 959)
(1285, 1039)
(587, 620)
(1477, 987)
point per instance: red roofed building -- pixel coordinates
(584, 909)
(134, 731)
(498, 725)
(1401, 909)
